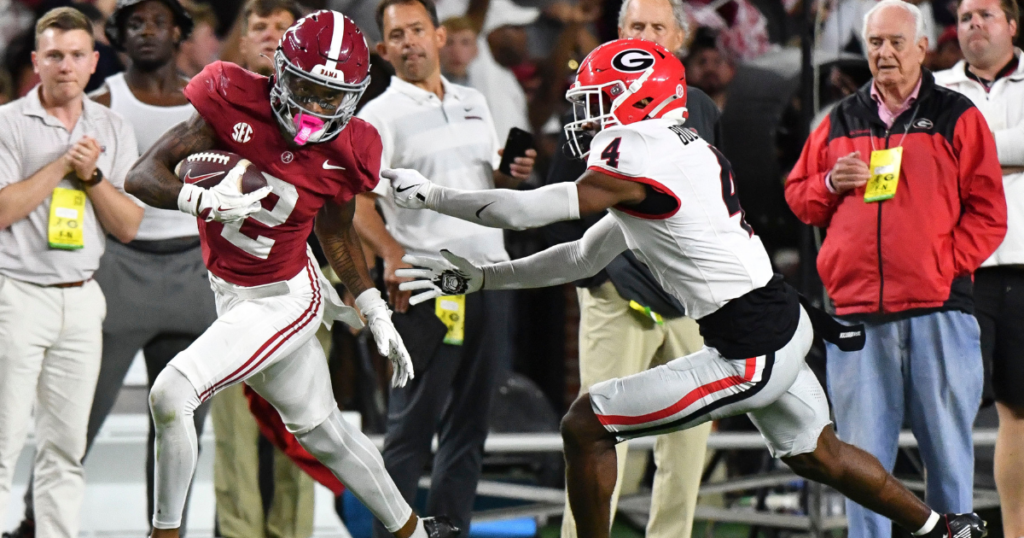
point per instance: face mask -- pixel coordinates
(305, 127)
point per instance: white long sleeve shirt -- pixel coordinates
(1003, 108)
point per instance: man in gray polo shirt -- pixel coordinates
(63, 160)
(431, 125)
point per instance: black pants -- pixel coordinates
(999, 307)
(450, 396)
(159, 303)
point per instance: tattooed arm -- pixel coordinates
(152, 179)
(342, 245)
(344, 251)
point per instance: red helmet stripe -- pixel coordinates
(336, 40)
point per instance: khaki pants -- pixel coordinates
(616, 341)
(236, 478)
(51, 340)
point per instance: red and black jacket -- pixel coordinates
(915, 252)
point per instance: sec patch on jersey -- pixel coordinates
(209, 168)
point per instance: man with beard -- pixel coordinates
(708, 68)
(158, 300)
(992, 76)
(447, 130)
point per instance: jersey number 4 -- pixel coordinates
(611, 153)
(287, 197)
(729, 196)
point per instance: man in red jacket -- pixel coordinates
(904, 176)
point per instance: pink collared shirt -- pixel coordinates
(884, 113)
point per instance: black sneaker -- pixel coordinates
(440, 527)
(27, 529)
(960, 526)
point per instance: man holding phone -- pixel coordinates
(457, 344)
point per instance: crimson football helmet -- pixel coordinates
(622, 82)
(322, 59)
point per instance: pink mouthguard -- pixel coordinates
(306, 125)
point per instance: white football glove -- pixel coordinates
(223, 203)
(450, 275)
(389, 342)
(410, 187)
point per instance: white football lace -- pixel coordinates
(209, 157)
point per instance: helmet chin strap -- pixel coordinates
(632, 89)
(306, 127)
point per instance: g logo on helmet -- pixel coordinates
(632, 60)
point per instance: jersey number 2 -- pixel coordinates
(611, 153)
(287, 197)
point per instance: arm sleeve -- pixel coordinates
(982, 225)
(560, 264)
(387, 146)
(206, 90)
(1010, 145)
(806, 192)
(506, 208)
(366, 175)
(126, 152)
(10, 155)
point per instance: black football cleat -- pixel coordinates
(440, 527)
(960, 526)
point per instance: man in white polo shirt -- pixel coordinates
(438, 128)
(63, 160)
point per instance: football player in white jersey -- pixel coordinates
(671, 199)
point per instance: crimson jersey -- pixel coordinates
(270, 246)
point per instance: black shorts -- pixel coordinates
(999, 307)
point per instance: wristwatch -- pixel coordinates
(94, 179)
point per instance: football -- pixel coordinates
(208, 168)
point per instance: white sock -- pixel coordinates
(928, 525)
(421, 531)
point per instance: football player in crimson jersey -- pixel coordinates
(296, 127)
(670, 199)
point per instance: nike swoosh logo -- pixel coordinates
(481, 210)
(331, 166)
(197, 179)
(403, 189)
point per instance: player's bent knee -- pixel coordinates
(171, 397)
(580, 425)
(821, 464)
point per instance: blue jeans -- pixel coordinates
(927, 370)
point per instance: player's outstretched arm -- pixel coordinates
(592, 193)
(454, 275)
(344, 251)
(152, 179)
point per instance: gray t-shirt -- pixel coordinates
(30, 139)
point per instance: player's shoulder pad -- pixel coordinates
(621, 149)
(222, 80)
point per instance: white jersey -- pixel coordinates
(690, 230)
(150, 123)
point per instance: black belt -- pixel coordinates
(164, 246)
